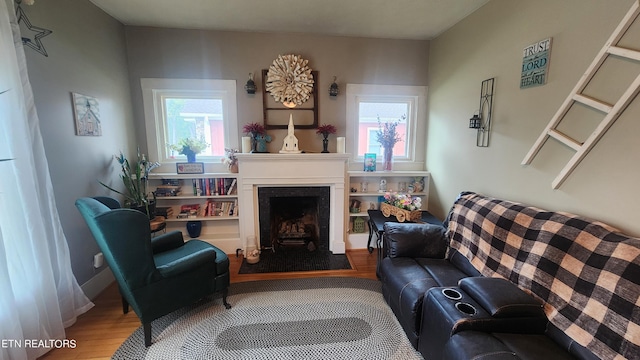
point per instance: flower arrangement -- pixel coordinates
(387, 134)
(403, 201)
(254, 129)
(326, 129)
(188, 146)
(135, 179)
(230, 158)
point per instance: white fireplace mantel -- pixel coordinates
(258, 170)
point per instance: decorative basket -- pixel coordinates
(358, 225)
(401, 214)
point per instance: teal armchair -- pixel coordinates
(156, 275)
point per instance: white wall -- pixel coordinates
(489, 44)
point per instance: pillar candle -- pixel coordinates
(340, 145)
(246, 144)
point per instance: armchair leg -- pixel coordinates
(146, 327)
(225, 292)
(125, 305)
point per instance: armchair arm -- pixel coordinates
(168, 241)
(194, 257)
(501, 298)
(414, 240)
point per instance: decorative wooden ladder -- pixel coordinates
(612, 112)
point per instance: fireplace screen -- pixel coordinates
(294, 216)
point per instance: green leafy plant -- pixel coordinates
(135, 179)
(189, 146)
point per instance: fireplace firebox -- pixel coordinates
(294, 216)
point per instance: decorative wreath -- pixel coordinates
(289, 80)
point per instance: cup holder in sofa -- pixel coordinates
(452, 294)
(466, 308)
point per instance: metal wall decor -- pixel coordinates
(276, 115)
(39, 33)
(482, 120)
(289, 80)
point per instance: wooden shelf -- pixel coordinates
(196, 197)
(387, 173)
(370, 194)
(203, 218)
(191, 176)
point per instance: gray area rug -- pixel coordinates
(317, 318)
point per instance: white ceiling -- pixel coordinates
(395, 19)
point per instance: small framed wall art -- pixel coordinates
(86, 112)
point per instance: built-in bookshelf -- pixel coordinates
(211, 198)
(367, 189)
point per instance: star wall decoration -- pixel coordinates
(38, 32)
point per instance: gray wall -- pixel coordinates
(489, 44)
(91, 53)
(86, 55)
(172, 53)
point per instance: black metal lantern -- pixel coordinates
(250, 87)
(333, 89)
(475, 122)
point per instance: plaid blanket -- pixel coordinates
(586, 273)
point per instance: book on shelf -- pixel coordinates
(189, 211)
(213, 186)
(173, 182)
(220, 207)
(164, 211)
(168, 190)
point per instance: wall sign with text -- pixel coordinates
(535, 64)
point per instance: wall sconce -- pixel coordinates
(475, 122)
(250, 87)
(482, 120)
(333, 89)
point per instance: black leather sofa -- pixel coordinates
(449, 310)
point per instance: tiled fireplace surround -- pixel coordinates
(290, 170)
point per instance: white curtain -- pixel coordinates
(39, 295)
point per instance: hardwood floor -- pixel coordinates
(99, 332)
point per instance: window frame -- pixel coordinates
(154, 91)
(416, 119)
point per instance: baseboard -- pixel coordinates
(94, 286)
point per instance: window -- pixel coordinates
(181, 108)
(368, 104)
(384, 110)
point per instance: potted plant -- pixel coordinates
(387, 136)
(325, 130)
(253, 129)
(189, 147)
(230, 159)
(135, 179)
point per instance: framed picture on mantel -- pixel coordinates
(369, 162)
(190, 168)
